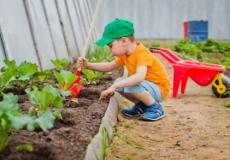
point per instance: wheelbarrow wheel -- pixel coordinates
(226, 83)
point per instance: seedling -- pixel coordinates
(68, 83)
(60, 64)
(92, 76)
(104, 144)
(22, 74)
(11, 118)
(26, 147)
(45, 99)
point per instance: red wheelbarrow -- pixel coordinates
(201, 73)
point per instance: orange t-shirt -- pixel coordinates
(156, 72)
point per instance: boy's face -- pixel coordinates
(118, 47)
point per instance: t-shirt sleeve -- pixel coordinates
(119, 61)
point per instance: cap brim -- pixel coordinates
(103, 41)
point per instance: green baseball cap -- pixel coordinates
(116, 29)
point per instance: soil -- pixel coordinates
(69, 138)
(196, 126)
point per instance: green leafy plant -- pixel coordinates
(226, 61)
(60, 64)
(101, 54)
(22, 74)
(45, 99)
(68, 84)
(211, 51)
(26, 147)
(7, 75)
(12, 120)
(107, 145)
(92, 76)
(93, 146)
(104, 144)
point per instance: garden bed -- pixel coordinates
(69, 138)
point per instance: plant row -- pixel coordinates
(45, 90)
(208, 51)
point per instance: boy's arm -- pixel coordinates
(134, 79)
(130, 81)
(102, 67)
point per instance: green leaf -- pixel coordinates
(64, 62)
(22, 65)
(59, 78)
(40, 112)
(30, 122)
(65, 93)
(89, 74)
(98, 75)
(21, 73)
(60, 64)
(28, 69)
(51, 89)
(9, 105)
(58, 102)
(32, 85)
(74, 100)
(66, 78)
(10, 98)
(26, 147)
(65, 74)
(51, 82)
(57, 114)
(6, 78)
(24, 78)
(46, 121)
(3, 122)
(70, 79)
(18, 122)
(31, 95)
(10, 64)
(11, 117)
(43, 75)
(45, 99)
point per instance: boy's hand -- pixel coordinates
(82, 62)
(109, 92)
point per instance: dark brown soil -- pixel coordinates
(69, 138)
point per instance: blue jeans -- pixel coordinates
(152, 88)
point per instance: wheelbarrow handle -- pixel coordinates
(168, 55)
(151, 48)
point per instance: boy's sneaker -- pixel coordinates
(138, 109)
(153, 112)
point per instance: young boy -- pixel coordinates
(148, 83)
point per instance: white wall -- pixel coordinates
(40, 30)
(16, 31)
(163, 19)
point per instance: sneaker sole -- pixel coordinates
(134, 116)
(149, 119)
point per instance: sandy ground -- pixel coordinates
(196, 126)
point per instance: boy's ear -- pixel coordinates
(124, 40)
